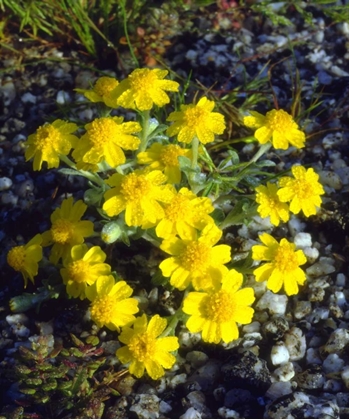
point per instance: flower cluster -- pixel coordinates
(155, 181)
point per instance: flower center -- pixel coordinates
(46, 137)
(78, 271)
(102, 309)
(303, 189)
(193, 116)
(62, 231)
(218, 307)
(142, 347)
(196, 256)
(169, 155)
(142, 80)
(135, 187)
(16, 258)
(285, 258)
(178, 209)
(105, 85)
(279, 120)
(102, 131)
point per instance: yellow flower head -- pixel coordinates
(216, 312)
(111, 303)
(277, 126)
(303, 191)
(196, 121)
(165, 158)
(49, 142)
(144, 350)
(104, 140)
(184, 214)
(139, 193)
(25, 258)
(270, 204)
(67, 229)
(83, 269)
(195, 259)
(142, 89)
(101, 89)
(283, 268)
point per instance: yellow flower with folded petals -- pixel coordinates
(139, 194)
(142, 89)
(270, 204)
(25, 258)
(67, 229)
(196, 121)
(145, 350)
(195, 259)
(101, 89)
(49, 142)
(111, 303)
(83, 269)
(104, 140)
(276, 126)
(303, 191)
(283, 268)
(165, 158)
(184, 214)
(217, 312)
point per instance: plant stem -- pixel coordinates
(145, 131)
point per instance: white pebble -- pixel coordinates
(278, 389)
(9, 198)
(5, 183)
(296, 225)
(276, 304)
(253, 327)
(345, 376)
(227, 413)
(295, 343)
(302, 240)
(191, 413)
(279, 354)
(322, 267)
(337, 340)
(63, 97)
(331, 179)
(284, 373)
(313, 356)
(312, 254)
(340, 280)
(28, 98)
(332, 363)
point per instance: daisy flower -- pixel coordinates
(276, 126)
(49, 142)
(196, 121)
(216, 313)
(144, 350)
(303, 191)
(282, 268)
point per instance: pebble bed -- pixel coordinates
(292, 361)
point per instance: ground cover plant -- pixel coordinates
(164, 176)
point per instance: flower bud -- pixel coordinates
(111, 232)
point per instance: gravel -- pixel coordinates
(292, 361)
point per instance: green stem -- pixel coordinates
(145, 131)
(195, 151)
(170, 330)
(95, 178)
(263, 149)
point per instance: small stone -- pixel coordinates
(278, 389)
(311, 378)
(295, 343)
(146, 406)
(226, 413)
(333, 363)
(284, 373)
(337, 341)
(275, 304)
(196, 358)
(324, 266)
(279, 354)
(330, 179)
(164, 407)
(191, 413)
(5, 183)
(345, 376)
(313, 356)
(303, 308)
(28, 98)
(275, 328)
(302, 240)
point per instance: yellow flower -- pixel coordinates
(216, 312)
(101, 89)
(67, 229)
(25, 258)
(303, 191)
(83, 269)
(49, 142)
(283, 268)
(270, 204)
(277, 126)
(139, 193)
(165, 158)
(111, 303)
(196, 121)
(104, 140)
(195, 259)
(145, 350)
(142, 89)
(185, 213)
